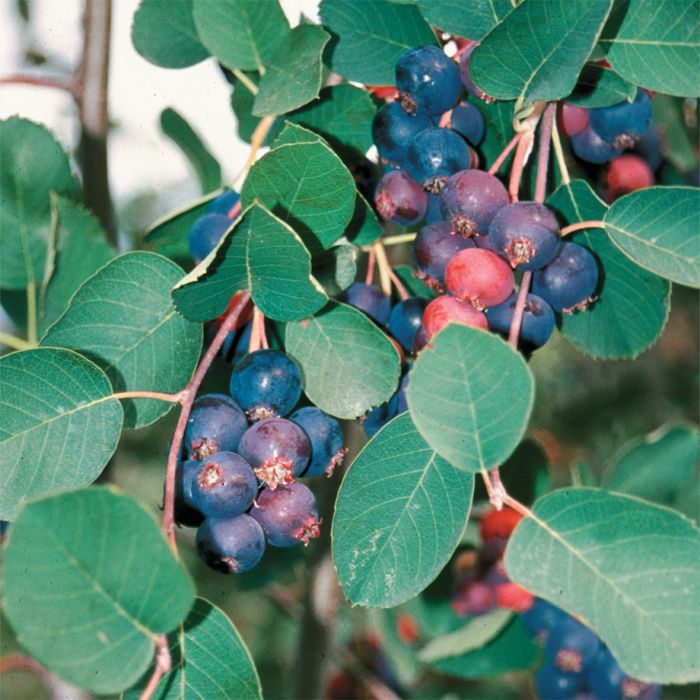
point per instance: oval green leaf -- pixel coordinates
(598, 86)
(474, 19)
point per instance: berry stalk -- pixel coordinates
(163, 666)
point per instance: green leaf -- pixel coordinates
(370, 36)
(657, 227)
(413, 285)
(399, 516)
(667, 113)
(89, 581)
(539, 49)
(205, 165)
(60, 424)
(600, 87)
(295, 134)
(260, 254)
(349, 365)
(336, 269)
(308, 187)
(470, 396)
(658, 467)
(209, 660)
(32, 165)
(628, 569)
(364, 227)
(294, 72)
(123, 319)
(655, 45)
(163, 32)
(498, 128)
(632, 305)
(240, 33)
(242, 100)
(473, 20)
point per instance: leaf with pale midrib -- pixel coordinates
(473, 19)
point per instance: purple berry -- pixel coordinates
(553, 684)
(406, 319)
(216, 423)
(377, 418)
(369, 299)
(571, 646)
(400, 199)
(468, 121)
(231, 546)
(205, 234)
(325, 437)
(393, 129)
(538, 320)
(433, 248)
(588, 146)
(185, 513)
(622, 124)
(434, 155)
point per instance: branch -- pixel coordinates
(397, 239)
(522, 154)
(163, 666)
(256, 141)
(504, 154)
(12, 341)
(66, 84)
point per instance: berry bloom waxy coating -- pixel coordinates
(480, 277)
(216, 423)
(232, 545)
(433, 248)
(434, 155)
(622, 124)
(325, 437)
(393, 129)
(537, 324)
(370, 299)
(406, 319)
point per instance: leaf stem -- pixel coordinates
(504, 154)
(383, 266)
(32, 329)
(12, 341)
(246, 81)
(371, 261)
(559, 152)
(543, 155)
(255, 342)
(163, 666)
(517, 320)
(256, 141)
(399, 286)
(522, 153)
(581, 225)
(261, 328)
(158, 395)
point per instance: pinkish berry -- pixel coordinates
(480, 277)
(446, 309)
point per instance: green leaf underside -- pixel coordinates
(336, 268)
(89, 580)
(632, 304)
(59, 427)
(348, 363)
(470, 396)
(399, 516)
(261, 254)
(308, 187)
(657, 227)
(123, 319)
(498, 128)
(209, 660)
(629, 569)
(163, 32)
(240, 33)
(656, 45)
(539, 49)
(32, 165)
(473, 19)
(667, 113)
(293, 75)
(186, 138)
(600, 87)
(370, 36)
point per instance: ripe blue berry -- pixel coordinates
(470, 200)
(527, 233)
(216, 423)
(398, 402)
(393, 129)
(553, 684)
(231, 545)
(400, 199)
(468, 121)
(377, 418)
(434, 155)
(223, 485)
(266, 383)
(537, 325)
(433, 248)
(288, 515)
(325, 436)
(369, 299)
(426, 78)
(567, 283)
(433, 212)
(607, 680)
(406, 319)
(185, 513)
(235, 346)
(205, 234)
(571, 646)
(224, 203)
(588, 146)
(277, 449)
(622, 124)
(541, 618)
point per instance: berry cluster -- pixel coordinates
(207, 230)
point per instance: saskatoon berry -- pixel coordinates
(288, 515)
(574, 119)
(541, 618)
(470, 200)
(421, 340)
(446, 309)
(625, 174)
(433, 212)
(434, 155)
(377, 418)
(553, 684)
(649, 146)
(606, 680)
(527, 233)
(465, 75)
(185, 514)
(205, 234)
(426, 78)
(400, 199)
(398, 403)
(480, 277)
(223, 485)
(266, 383)
(325, 437)
(622, 124)
(406, 319)
(569, 281)
(224, 203)
(369, 299)
(498, 524)
(216, 423)
(433, 248)
(393, 129)
(510, 596)
(588, 146)
(538, 320)
(475, 598)
(467, 120)
(571, 646)
(231, 546)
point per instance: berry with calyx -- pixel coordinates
(433, 248)
(232, 545)
(468, 121)
(400, 199)
(288, 515)
(574, 119)
(537, 324)
(554, 684)
(225, 203)
(406, 319)
(266, 383)
(205, 234)
(393, 130)
(588, 146)
(527, 233)
(470, 200)
(369, 299)
(184, 512)
(434, 155)
(625, 174)
(498, 524)
(606, 679)
(623, 123)
(325, 437)
(447, 309)
(571, 646)
(277, 450)
(480, 277)
(216, 423)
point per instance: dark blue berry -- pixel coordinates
(235, 346)
(266, 383)
(426, 78)
(369, 299)
(398, 403)
(216, 423)
(553, 684)
(571, 646)
(326, 439)
(406, 319)
(185, 512)
(588, 146)
(377, 418)
(541, 618)
(433, 212)
(434, 155)
(231, 545)
(608, 681)
(400, 199)
(468, 121)
(393, 129)
(537, 325)
(224, 203)
(567, 282)
(650, 145)
(205, 234)
(433, 248)
(622, 124)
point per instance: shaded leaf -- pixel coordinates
(364, 227)
(413, 285)
(667, 112)
(498, 128)
(600, 87)
(473, 20)
(336, 269)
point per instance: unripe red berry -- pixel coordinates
(480, 277)
(407, 628)
(574, 119)
(626, 174)
(498, 523)
(512, 597)
(446, 309)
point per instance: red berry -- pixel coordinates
(407, 628)
(626, 174)
(446, 309)
(384, 92)
(498, 523)
(512, 597)
(480, 277)
(573, 119)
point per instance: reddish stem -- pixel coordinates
(20, 662)
(66, 84)
(254, 343)
(517, 320)
(371, 260)
(504, 154)
(580, 226)
(398, 284)
(543, 155)
(163, 666)
(261, 329)
(522, 153)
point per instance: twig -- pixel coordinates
(543, 155)
(371, 261)
(162, 667)
(256, 141)
(158, 395)
(581, 225)
(383, 266)
(12, 341)
(559, 152)
(517, 320)
(504, 154)
(398, 239)
(399, 286)
(245, 80)
(522, 153)
(66, 84)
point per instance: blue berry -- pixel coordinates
(622, 124)
(527, 233)
(266, 383)
(608, 681)
(277, 449)
(185, 512)
(406, 319)
(588, 146)
(571, 646)
(216, 423)
(434, 155)
(235, 346)
(468, 121)
(400, 199)
(553, 684)
(205, 234)
(650, 146)
(537, 325)
(224, 203)
(393, 129)
(377, 418)
(231, 545)
(398, 403)
(288, 515)
(223, 486)
(567, 283)
(541, 618)
(369, 299)
(433, 248)
(325, 437)
(433, 212)
(426, 78)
